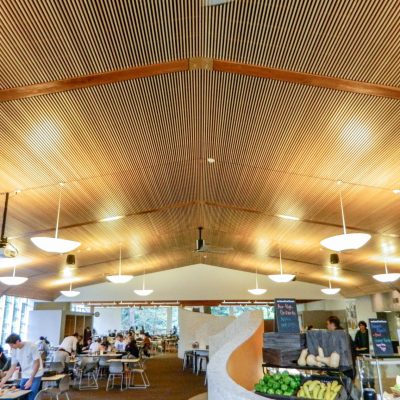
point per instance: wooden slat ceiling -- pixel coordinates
(139, 147)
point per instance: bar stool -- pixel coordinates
(201, 360)
(188, 358)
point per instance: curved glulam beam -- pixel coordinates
(197, 63)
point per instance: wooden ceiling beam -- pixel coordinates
(168, 67)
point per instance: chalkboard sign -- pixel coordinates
(286, 318)
(381, 337)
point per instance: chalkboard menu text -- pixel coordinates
(381, 337)
(286, 318)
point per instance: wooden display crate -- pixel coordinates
(276, 340)
(286, 357)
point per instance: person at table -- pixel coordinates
(69, 344)
(361, 340)
(132, 348)
(79, 345)
(119, 344)
(5, 362)
(87, 334)
(85, 349)
(62, 357)
(95, 346)
(27, 355)
(105, 343)
(146, 344)
(333, 324)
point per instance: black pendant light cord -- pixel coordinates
(3, 225)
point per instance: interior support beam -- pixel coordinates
(197, 63)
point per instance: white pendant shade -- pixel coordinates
(119, 279)
(55, 244)
(330, 291)
(70, 292)
(386, 277)
(13, 280)
(257, 291)
(281, 278)
(143, 291)
(346, 241)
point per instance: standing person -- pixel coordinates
(27, 356)
(361, 340)
(87, 334)
(43, 346)
(69, 344)
(146, 344)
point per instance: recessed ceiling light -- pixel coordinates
(396, 191)
(211, 160)
(289, 217)
(108, 219)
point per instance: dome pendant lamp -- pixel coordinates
(257, 291)
(13, 280)
(120, 278)
(346, 241)
(143, 291)
(70, 292)
(330, 291)
(281, 278)
(55, 244)
(386, 277)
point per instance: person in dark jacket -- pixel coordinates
(132, 348)
(5, 362)
(361, 340)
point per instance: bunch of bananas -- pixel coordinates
(318, 390)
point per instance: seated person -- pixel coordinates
(132, 348)
(119, 343)
(79, 345)
(5, 362)
(95, 346)
(105, 343)
(85, 349)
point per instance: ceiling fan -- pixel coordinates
(6, 248)
(201, 246)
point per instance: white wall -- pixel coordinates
(110, 318)
(365, 308)
(45, 323)
(198, 327)
(199, 282)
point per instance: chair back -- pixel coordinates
(103, 362)
(57, 366)
(89, 367)
(116, 367)
(64, 384)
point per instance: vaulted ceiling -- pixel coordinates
(125, 101)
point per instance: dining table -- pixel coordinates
(14, 394)
(197, 354)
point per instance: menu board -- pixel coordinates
(381, 337)
(286, 318)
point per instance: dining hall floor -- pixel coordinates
(167, 382)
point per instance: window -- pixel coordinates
(155, 320)
(81, 308)
(235, 311)
(14, 314)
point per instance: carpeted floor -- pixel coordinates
(167, 380)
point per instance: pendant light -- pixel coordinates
(281, 278)
(55, 244)
(143, 291)
(386, 277)
(346, 241)
(70, 292)
(257, 291)
(330, 291)
(13, 280)
(120, 278)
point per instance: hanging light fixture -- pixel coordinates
(386, 277)
(143, 291)
(257, 291)
(330, 291)
(55, 244)
(120, 278)
(70, 292)
(13, 280)
(346, 241)
(281, 278)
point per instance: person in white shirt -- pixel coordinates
(95, 346)
(27, 355)
(69, 344)
(119, 344)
